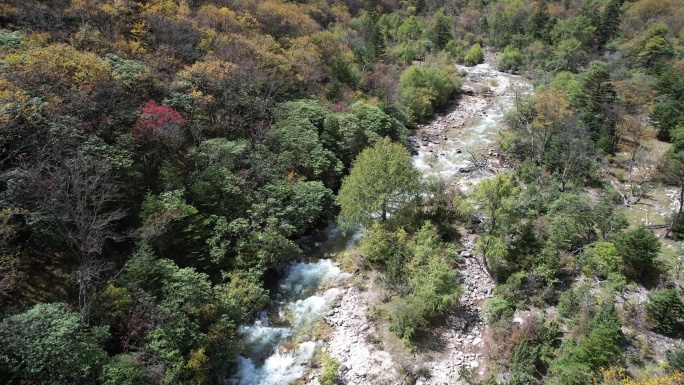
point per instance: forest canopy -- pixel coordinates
(159, 160)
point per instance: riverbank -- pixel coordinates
(460, 146)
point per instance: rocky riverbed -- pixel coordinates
(460, 146)
(460, 340)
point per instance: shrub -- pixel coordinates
(665, 309)
(601, 259)
(495, 309)
(676, 359)
(424, 89)
(572, 301)
(511, 59)
(474, 56)
(639, 249)
(329, 375)
(9, 40)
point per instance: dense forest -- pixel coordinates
(161, 160)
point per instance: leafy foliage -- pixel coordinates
(381, 180)
(665, 310)
(424, 90)
(51, 344)
(639, 249)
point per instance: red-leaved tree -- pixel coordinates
(159, 124)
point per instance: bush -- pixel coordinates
(329, 375)
(474, 56)
(574, 300)
(511, 59)
(665, 310)
(124, 369)
(676, 359)
(601, 259)
(424, 89)
(495, 309)
(639, 249)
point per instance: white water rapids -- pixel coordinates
(277, 355)
(279, 349)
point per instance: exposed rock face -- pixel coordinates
(463, 334)
(360, 361)
(348, 343)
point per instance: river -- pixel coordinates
(282, 342)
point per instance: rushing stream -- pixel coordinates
(469, 130)
(279, 346)
(281, 342)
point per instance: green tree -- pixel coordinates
(381, 245)
(434, 291)
(299, 151)
(665, 311)
(511, 59)
(668, 110)
(599, 349)
(608, 22)
(656, 50)
(440, 33)
(578, 27)
(598, 115)
(495, 199)
(539, 21)
(639, 249)
(177, 316)
(572, 221)
(377, 124)
(410, 30)
(381, 180)
(51, 344)
(671, 170)
(123, 369)
(497, 308)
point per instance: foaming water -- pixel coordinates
(446, 159)
(272, 356)
(278, 369)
